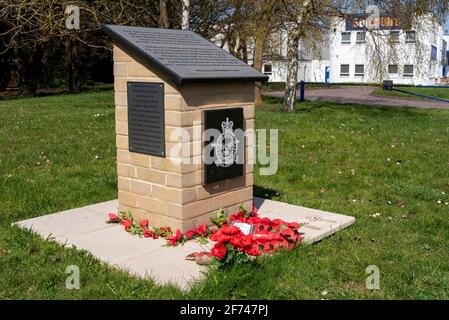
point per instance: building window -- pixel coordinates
(268, 69)
(359, 70)
(361, 37)
(408, 70)
(433, 53)
(344, 70)
(443, 53)
(346, 37)
(410, 36)
(393, 69)
(394, 36)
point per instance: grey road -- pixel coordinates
(362, 95)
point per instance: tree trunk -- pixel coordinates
(70, 66)
(258, 61)
(163, 15)
(185, 14)
(232, 44)
(292, 72)
(5, 69)
(293, 56)
(74, 85)
(244, 50)
(264, 14)
(29, 62)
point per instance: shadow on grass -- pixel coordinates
(265, 193)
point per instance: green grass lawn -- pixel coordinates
(58, 153)
(442, 93)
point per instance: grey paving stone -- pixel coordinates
(113, 245)
(266, 206)
(66, 224)
(168, 266)
(104, 208)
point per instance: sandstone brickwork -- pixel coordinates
(169, 191)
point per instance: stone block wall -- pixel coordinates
(166, 192)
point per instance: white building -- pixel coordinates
(312, 66)
(312, 62)
(353, 55)
(416, 56)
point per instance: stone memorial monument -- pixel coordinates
(171, 88)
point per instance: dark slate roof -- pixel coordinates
(183, 55)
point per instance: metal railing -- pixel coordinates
(389, 86)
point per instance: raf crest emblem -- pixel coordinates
(226, 146)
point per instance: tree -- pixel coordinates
(6, 61)
(299, 12)
(247, 27)
(163, 15)
(307, 23)
(263, 20)
(29, 26)
(185, 14)
(210, 18)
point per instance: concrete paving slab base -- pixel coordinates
(85, 228)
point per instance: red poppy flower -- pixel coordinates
(267, 222)
(261, 228)
(127, 224)
(241, 243)
(253, 251)
(239, 217)
(253, 220)
(113, 218)
(294, 225)
(148, 234)
(190, 234)
(219, 251)
(222, 238)
(288, 233)
(144, 223)
(231, 231)
(215, 235)
(201, 230)
(225, 234)
(173, 240)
